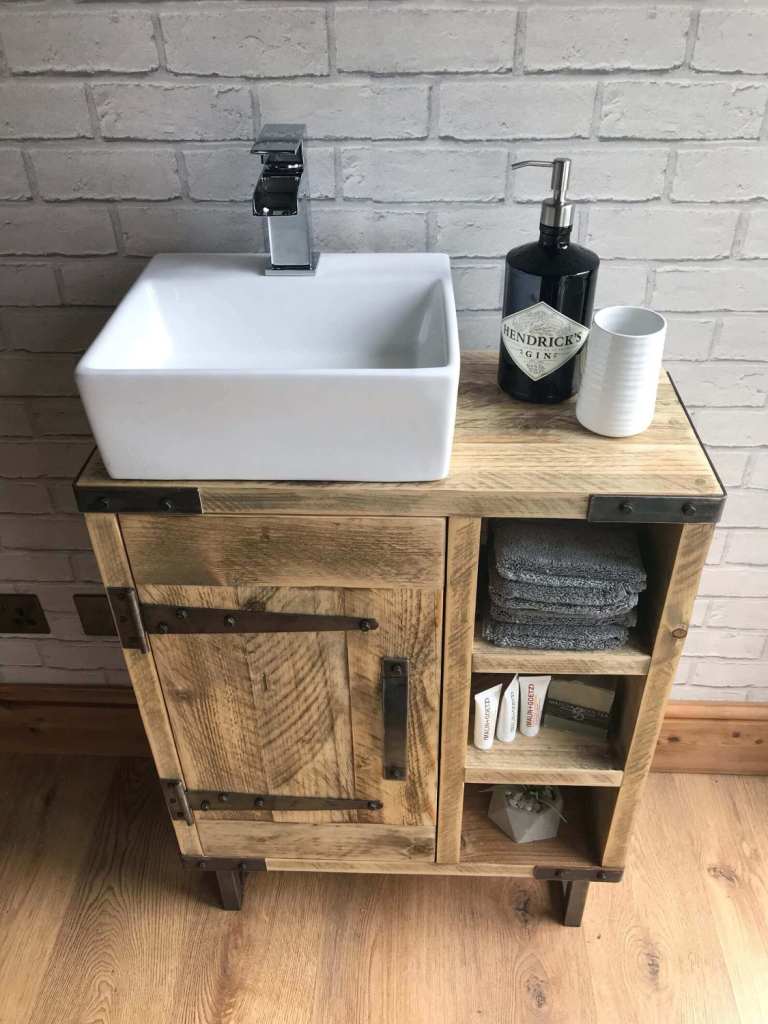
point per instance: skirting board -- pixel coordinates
(697, 736)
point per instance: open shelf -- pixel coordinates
(483, 843)
(556, 757)
(631, 660)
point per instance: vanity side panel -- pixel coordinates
(115, 571)
(463, 552)
(679, 554)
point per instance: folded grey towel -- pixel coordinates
(561, 617)
(602, 637)
(613, 596)
(567, 552)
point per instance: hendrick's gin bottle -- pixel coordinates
(549, 289)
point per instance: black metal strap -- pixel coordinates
(180, 500)
(169, 619)
(216, 800)
(242, 864)
(596, 874)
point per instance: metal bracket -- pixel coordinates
(169, 619)
(179, 501)
(225, 863)
(213, 800)
(181, 801)
(394, 703)
(648, 508)
(596, 874)
(175, 796)
(127, 616)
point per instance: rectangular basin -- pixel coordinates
(209, 369)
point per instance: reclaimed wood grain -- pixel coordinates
(460, 597)
(286, 551)
(556, 757)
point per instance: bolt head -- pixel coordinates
(258, 801)
(167, 505)
(205, 805)
(627, 508)
(689, 509)
(104, 502)
(182, 613)
(224, 797)
(230, 620)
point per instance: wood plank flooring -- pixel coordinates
(100, 925)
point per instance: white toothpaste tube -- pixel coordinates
(506, 727)
(533, 690)
(486, 709)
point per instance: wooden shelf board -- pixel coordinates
(630, 660)
(556, 757)
(483, 843)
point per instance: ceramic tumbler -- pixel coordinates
(621, 369)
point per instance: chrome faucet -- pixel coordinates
(282, 196)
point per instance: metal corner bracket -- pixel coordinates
(177, 501)
(596, 874)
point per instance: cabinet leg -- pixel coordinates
(574, 902)
(231, 885)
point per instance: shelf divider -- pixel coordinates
(631, 660)
(556, 757)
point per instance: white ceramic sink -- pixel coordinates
(209, 369)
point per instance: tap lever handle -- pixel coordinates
(280, 143)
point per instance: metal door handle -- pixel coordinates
(394, 703)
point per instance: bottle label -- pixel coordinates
(539, 340)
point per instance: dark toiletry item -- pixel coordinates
(581, 705)
(549, 291)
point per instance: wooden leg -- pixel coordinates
(231, 885)
(574, 902)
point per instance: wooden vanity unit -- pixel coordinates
(303, 654)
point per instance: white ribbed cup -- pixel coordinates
(621, 370)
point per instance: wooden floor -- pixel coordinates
(99, 924)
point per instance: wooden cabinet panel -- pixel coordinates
(300, 713)
(286, 551)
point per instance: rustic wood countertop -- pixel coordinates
(509, 459)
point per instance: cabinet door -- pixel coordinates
(300, 713)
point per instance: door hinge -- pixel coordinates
(127, 615)
(172, 619)
(176, 800)
(181, 801)
(135, 621)
(596, 874)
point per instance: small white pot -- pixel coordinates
(520, 824)
(620, 377)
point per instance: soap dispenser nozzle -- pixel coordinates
(556, 212)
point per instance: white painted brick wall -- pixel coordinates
(259, 41)
(383, 39)
(605, 39)
(115, 172)
(119, 40)
(163, 111)
(125, 130)
(349, 110)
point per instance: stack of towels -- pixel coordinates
(562, 585)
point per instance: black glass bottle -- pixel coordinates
(549, 291)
